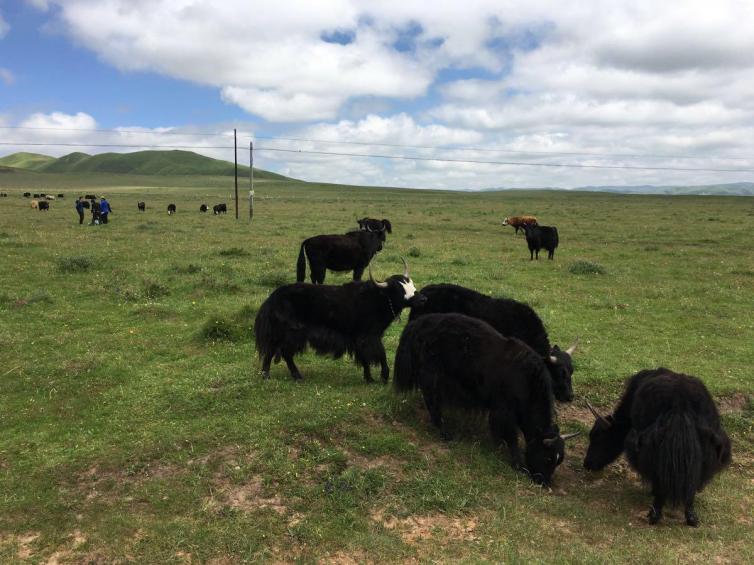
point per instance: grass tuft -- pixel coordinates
(274, 278)
(233, 252)
(75, 264)
(153, 289)
(586, 268)
(414, 252)
(236, 327)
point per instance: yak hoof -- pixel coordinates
(265, 375)
(692, 519)
(654, 515)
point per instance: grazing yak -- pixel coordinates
(27, 194)
(61, 195)
(220, 209)
(203, 208)
(141, 206)
(350, 252)
(36, 195)
(518, 222)
(541, 237)
(460, 361)
(171, 209)
(511, 319)
(34, 204)
(91, 197)
(85, 204)
(669, 428)
(333, 320)
(44, 205)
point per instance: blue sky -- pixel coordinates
(542, 82)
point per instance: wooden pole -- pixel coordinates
(235, 159)
(251, 180)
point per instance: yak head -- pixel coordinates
(560, 366)
(505, 221)
(605, 441)
(544, 453)
(376, 226)
(401, 289)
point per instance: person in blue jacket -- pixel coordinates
(80, 209)
(104, 210)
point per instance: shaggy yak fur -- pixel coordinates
(518, 222)
(669, 428)
(203, 208)
(456, 360)
(220, 209)
(171, 209)
(371, 224)
(541, 237)
(349, 252)
(510, 318)
(333, 320)
(141, 206)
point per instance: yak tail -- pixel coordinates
(404, 378)
(263, 331)
(301, 265)
(679, 457)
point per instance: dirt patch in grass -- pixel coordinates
(438, 527)
(734, 403)
(24, 543)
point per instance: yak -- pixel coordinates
(61, 195)
(220, 209)
(171, 209)
(669, 428)
(27, 194)
(333, 320)
(351, 251)
(519, 222)
(379, 226)
(203, 208)
(541, 237)
(511, 319)
(43, 205)
(456, 360)
(91, 196)
(141, 206)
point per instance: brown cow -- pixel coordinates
(519, 222)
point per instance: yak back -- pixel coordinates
(509, 317)
(340, 252)
(475, 367)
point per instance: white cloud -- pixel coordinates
(4, 27)
(7, 76)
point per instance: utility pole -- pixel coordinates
(251, 180)
(235, 159)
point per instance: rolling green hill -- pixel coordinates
(24, 160)
(139, 162)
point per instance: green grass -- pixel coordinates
(135, 426)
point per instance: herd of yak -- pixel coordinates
(467, 350)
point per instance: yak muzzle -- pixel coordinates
(417, 300)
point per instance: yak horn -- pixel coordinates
(595, 413)
(572, 348)
(371, 278)
(405, 268)
(553, 359)
(569, 436)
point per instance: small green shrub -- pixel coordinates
(586, 268)
(237, 327)
(75, 264)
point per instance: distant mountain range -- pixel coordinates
(138, 163)
(730, 189)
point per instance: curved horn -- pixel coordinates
(573, 346)
(550, 440)
(371, 278)
(405, 268)
(569, 436)
(553, 359)
(595, 413)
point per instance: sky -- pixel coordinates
(462, 95)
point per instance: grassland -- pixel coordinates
(134, 424)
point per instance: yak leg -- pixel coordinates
(503, 427)
(691, 518)
(295, 373)
(362, 353)
(266, 365)
(384, 369)
(317, 273)
(531, 254)
(433, 401)
(357, 273)
(655, 511)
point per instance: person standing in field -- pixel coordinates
(104, 209)
(80, 209)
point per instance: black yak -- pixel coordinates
(44, 205)
(541, 237)
(27, 194)
(141, 206)
(203, 208)
(171, 209)
(349, 252)
(669, 428)
(379, 226)
(61, 195)
(511, 319)
(91, 196)
(220, 209)
(457, 360)
(333, 320)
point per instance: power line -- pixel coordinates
(516, 163)
(151, 132)
(141, 145)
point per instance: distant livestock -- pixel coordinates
(36, 195)
(141, 206)
(171, 209)
(511, 319)
(669, 428)
(379, 226)
(350, 252)
(49, 197)
(43, 194)
(61, 195)
(463, 362)
(34, 204)
(541, 237)
(220, 209)
(518, 222)
(3, 194)
(85, 204)
(27, 194)
(203, 208)
(44, 205)
(333, 320)
(91, 196)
